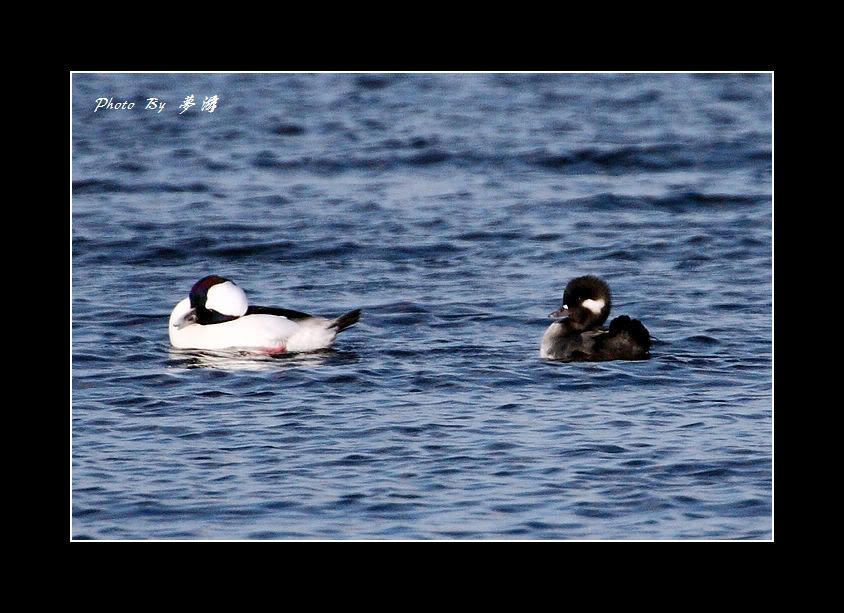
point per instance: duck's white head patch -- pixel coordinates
(596, 306)
(227, 298)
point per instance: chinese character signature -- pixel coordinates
(209, 105)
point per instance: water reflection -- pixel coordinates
(244, 360)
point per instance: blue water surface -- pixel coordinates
(452, 208)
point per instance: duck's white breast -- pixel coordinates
(548, 340)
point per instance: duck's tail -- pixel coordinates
(624, 327)
(344, 321)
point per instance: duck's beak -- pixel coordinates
(186, 320)
(560, 313)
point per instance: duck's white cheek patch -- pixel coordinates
(227, 298)
(594, 305)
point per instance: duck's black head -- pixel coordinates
(586, 302)
(216, 299)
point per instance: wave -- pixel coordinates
(102, 186)
(424, 151)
